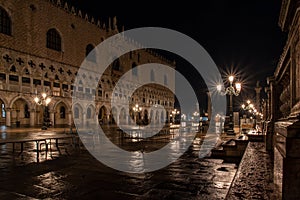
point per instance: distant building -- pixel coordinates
(42, 45)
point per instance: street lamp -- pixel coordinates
(43, 100)
(231, 90)
(253, 111)
(175, 112)
(136, 110)
(249, 106)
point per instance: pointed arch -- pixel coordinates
(122, 116)
(102, 115)
(77, 111)
(20, 111)
(90, 112)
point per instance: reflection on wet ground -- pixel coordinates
(78, 175)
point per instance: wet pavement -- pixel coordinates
(76, 174)
(254, 178)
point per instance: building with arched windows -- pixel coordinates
(42, 45)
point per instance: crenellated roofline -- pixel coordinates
(110, 26)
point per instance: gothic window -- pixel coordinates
(26, 111)
(89, 53)
(53, 40)
(76, 113)
(89, 113)
(5, 22)
(62, 112)
(56, 77)
(26, 71)
(13, 69)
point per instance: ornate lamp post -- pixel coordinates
(43, 100)
(231, 90)
(137, 109)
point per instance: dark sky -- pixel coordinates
(240, 35)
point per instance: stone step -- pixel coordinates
(230, 148)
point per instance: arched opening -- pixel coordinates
(167, 117)
(151, 116)
(2, 113)
(60, 117)
(77, 115)
(90, 115)
(113, 115)
(122, 116)
(20, 113)
(102, 115)
(156, 117)
(145, 118)
(162, 117)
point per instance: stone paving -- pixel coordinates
(80, 176)
(254, 178)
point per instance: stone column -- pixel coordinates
(8, 117)
(70, 121)
(287, 159)
(83, 119)
(269, 137)
(257, 98)
(52, 118)
(32, 117)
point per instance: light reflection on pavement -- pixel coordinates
(80, 176)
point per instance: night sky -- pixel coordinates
(240, 36)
